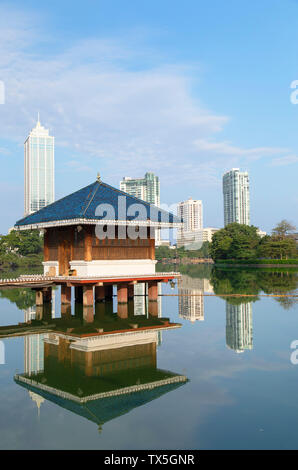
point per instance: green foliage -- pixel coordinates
(283, 229)
(236, 241)
(164, 252)
(254, 282)
(21, 249)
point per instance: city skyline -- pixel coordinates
(136, 92)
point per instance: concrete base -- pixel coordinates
(126, 267)
(50, 268)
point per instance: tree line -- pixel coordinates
(243, 242)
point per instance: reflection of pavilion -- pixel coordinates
(101, 376)
(239, 326)
(191, 299)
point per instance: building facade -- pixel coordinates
(191, 212)
(208, 233)
(147, 189)
(39, 180)
(236, 197)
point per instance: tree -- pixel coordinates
(283, 229)
(235, 241)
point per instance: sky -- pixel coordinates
(187, 90)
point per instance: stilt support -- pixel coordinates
(88, 296)
(152, 290)
(122, 310)
(122, 293)
(79, 294)
(39, 297)
(99, 294)
(65, 294)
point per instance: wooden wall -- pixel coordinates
(64, 244)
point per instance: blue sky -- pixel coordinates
(185, 89)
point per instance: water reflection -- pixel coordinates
(239, 326)
(191, 297)
(98, 370)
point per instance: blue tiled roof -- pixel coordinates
(82, 204)
(103, 410)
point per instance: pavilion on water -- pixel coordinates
(98, 237)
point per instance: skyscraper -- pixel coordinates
(147, 189)
(236, 197)
(191, 212)
(39, 169)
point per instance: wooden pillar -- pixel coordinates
(109, 292)
(131, 291)
(99, 294)
(46, 251)
(122, 293)
(39, 297)
(153, 309)
(47, 294)
(79, 294)
(88, 243)
(65, 311)
(152, 248)
(122, 310)
(152, 290)
(39, 312)
(88, 313)
(88, 296)
(65, 294)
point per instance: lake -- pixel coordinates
(206, 371)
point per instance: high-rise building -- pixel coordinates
(39, 169)
(147, 189)
(191, 212)
(236, 197)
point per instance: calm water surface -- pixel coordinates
(241, 387)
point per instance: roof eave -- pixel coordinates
(79, 221)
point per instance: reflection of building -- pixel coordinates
(239, 326)
(191, 299)
(103, 376)
(192, 214)
(236, 197)
(33, 354)
(39, 169)
(33, 347)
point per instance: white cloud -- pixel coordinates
(286, 160)
(100, 103)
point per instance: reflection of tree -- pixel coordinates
(253, 282)
(23, 298)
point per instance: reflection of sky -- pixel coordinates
(231, 401)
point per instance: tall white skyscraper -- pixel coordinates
(147, 189)
(236, 197)
(191, 212)
(39, 169)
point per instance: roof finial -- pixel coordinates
(38, 121)
(98, 177)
